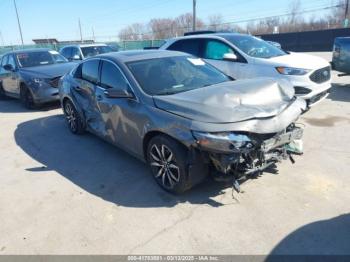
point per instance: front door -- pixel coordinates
(213, 53)
(121, 116)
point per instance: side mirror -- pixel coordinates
(230, 57)
(118, 93)
(9, 67)
(76, 57)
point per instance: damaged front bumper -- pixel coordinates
(242, 155)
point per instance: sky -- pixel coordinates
(59, 18)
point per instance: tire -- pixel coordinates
(167, 159)
(2, 92)
(74, 121)
(27, 98)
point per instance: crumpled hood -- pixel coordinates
(230, 102)
(296, 60)
(48, 71)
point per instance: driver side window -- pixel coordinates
(75, 52)
(216, 50)
(3, 62)
(11, 61)
(111, 77)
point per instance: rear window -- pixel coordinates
(190, 46)
(89, 71)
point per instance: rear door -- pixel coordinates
(84, 92)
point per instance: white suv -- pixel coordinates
(244, 56)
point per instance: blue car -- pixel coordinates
(32, 75)
(341, 55)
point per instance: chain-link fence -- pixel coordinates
(124, 45)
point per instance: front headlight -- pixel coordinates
(229, 142)
(292, 71)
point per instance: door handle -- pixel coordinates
(78, 88)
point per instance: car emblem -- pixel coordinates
(325, 73)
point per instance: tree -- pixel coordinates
(162, 28)
(184, 23)
(133, 32)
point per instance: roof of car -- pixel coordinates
(209, 35)
(29, 50)
(136, 55)
(84, 45)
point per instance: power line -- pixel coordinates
(239, 21)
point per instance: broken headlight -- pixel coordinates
(229, 142)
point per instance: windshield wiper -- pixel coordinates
(167, 93)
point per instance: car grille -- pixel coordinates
(321, 75)
(299, 90)
(54, 81)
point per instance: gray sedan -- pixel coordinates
(32, 75)
(182, 116)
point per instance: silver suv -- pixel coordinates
(83, 51)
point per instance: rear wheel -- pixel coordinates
(27, 98)
(167, 159)
(73, 118)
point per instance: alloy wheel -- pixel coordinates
(71, 117)
(164, 164)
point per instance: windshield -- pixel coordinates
(39, 58)
(254, 46)
(171, 75)
(90, 51)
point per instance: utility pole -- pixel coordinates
(81, 34)
(19, 24)
(93, 34)
(2, 39)
(194, 15)
(346, 20)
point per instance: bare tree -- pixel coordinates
(135, 31)
(163, 28)
(215, 21)
(184, 23)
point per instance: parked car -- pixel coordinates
(83, 51)
(341, 55)
(181, 115)
(32, 75)
(244, 56)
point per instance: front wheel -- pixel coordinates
(2, 92)
(167, 159)
(73, 118)
(27, 98)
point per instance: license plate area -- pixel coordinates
(282, 139)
